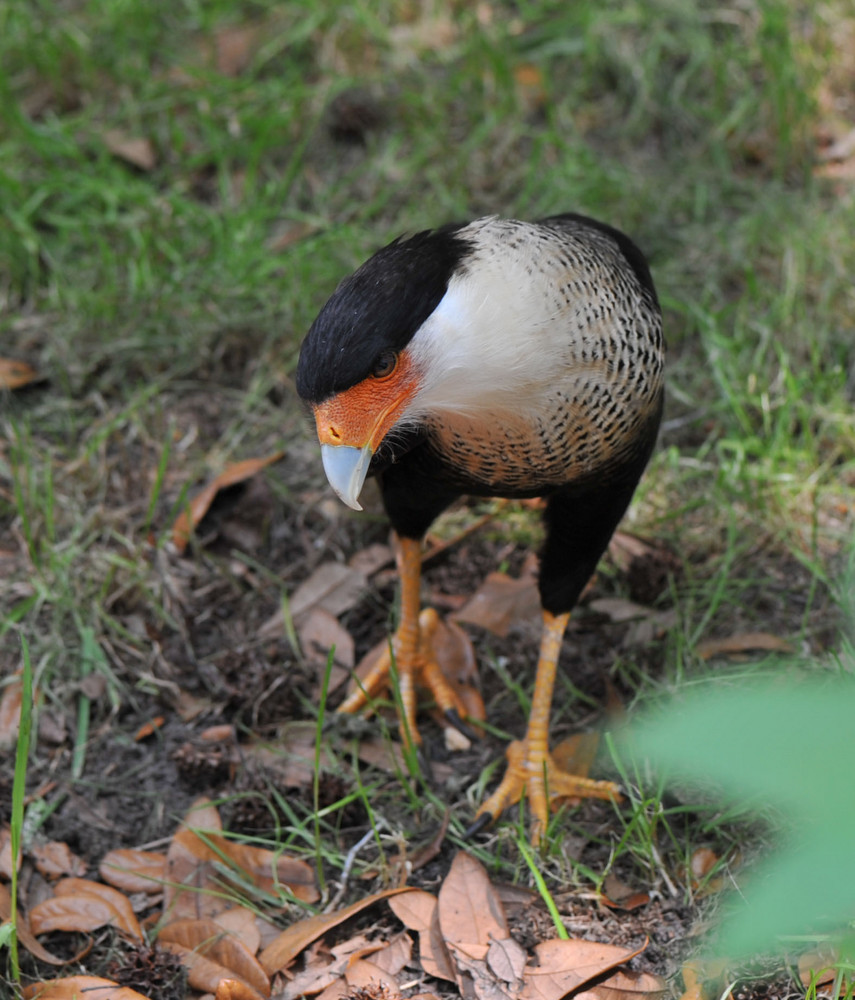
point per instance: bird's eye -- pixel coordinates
(385, 364)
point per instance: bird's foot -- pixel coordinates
(533, 772)
(416, 666)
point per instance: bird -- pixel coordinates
(492, 358)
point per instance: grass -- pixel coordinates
(164, 305)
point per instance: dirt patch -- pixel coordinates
(202, 654)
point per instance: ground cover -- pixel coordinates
(182, 186)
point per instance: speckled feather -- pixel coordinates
(540, 357)
(545, 370)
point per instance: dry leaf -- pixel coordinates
(335, 991)
(470, 912)
(619, 896)
(617, 609)
(80, 988)
(367, 977)
(271, 871)
(285, 948)
(531, 88)
(82, 905)
(241, 922)
(576, 754)
(72, 913)
(506, 960)
(148, 728)
(196, 860)
(704, 859)
(234, 989)
(319, 632)
(6, 865)
(321, 972)
(291, 758)
(382, 754)
(134, 871)
(702, 978)
(56, 859)
(26, 938)
(207, 939)
(234, 47)
(474, 979)
(192, 888)
(501, 602)
(15, 374)
(138, 151)
(419, 911)
(189, 519)
(743, 642)
(626, 985)
(395, 955)
(333, 586)
(818, 967)
(455, 656)
(10, 709)
(373, 557)
(564, 966)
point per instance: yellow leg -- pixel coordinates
(531, 769)
(414, 658)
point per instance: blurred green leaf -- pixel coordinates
(785, 743)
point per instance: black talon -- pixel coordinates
(481, 823)
(453, 717)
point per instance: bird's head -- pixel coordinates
(359, 368)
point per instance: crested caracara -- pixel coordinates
(493, 358)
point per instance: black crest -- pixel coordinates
(378, 308)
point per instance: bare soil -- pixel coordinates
(204, 658)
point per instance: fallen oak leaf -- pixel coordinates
(189, 519)
(269, 870)
(133, 870)
(500, 602)
(565, 965)
(476, 979)
(470, 912)
(419, 911)
(78, 987)
(506, 959)
(397, 953)
(23, 931)
(136, 150)
(234, 989)
(625, 985)
(16, 374)
(7, 866)
(285, 948)
(81, 905)
(10, 710)
(743, 642)
(364, 977)
(240, 921)
(618, 896)
(322, 972)
(72, 913)
(148, 728)
(818, 968)
(208, 940)
(206, 974)
(76, 887)
(55, 859)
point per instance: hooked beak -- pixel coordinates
(346, 468)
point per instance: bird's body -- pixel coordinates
(494, 358)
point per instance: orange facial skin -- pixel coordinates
(364, 414)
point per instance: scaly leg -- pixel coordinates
(414, 658)
(531, 768)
